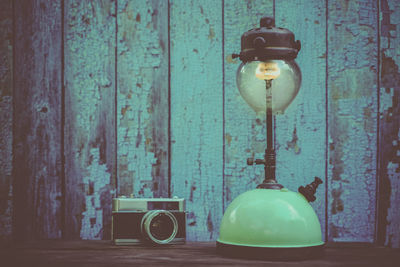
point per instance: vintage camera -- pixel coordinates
(154, 221)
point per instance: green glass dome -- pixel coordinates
(269, 218)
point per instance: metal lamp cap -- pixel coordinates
(268, 42)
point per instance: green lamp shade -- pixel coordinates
(268, 218)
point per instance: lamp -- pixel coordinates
(270, 222)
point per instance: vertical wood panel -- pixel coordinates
(6, 111)
(389, 139)
(196, 108)
(301, 130)
(143, 98)
(244, 129)
(352, 79)
(89, 117)
(37, 120)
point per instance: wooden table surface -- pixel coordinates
(60, 253)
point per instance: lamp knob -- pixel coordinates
(298, 45)
(235, 56)
(309, 190)
(251, 161)
(267, 22)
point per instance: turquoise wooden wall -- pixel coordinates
(108, 97)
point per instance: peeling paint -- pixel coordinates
(339, 232)
(89, 123)
(392, 236)
(337, 203)
(97, 182)
(352, 79)
(192, 189)
(142, 127)
(389, 179)
(211, 34)
(293, 143)
(228, 139)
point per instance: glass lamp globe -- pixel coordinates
(285, 77)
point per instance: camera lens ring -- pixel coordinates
(146, 224)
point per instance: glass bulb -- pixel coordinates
(267, 70)
(285, 77)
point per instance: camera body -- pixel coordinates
(156, 221)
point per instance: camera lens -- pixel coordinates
(159, 226)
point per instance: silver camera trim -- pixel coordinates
(140, 204)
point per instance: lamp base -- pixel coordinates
(270, 253)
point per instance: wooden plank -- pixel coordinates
(103, 253)
(143, 98)
(89, 117)
(244, 129)
(389, 122)
(352, 119)
(196, 113)
(6, 135)
(37, 120)
(301, 130)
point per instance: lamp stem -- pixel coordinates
(269, 157)
(269, 160)
(269, 118)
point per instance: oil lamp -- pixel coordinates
(270, 222)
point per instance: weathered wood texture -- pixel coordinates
(102, 253)
(352, 119)
(6, 111)
(148, 94)
(37, 120)
(244, 129)
(389, 122)
(196, 113)
(142, 70)
(89, 80)
(301, 130)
